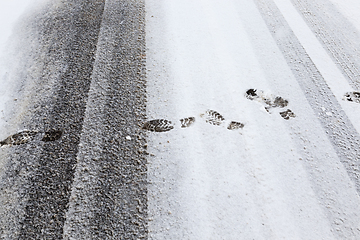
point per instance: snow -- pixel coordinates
(328, 69)
(274, 179)
(350, 9)
(11, 12)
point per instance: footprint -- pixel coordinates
(214, 118)
(235, 125)
(352, 97)
(187, 122)
(158, 125)
(258, 95)
(27, 135)
(287, 114)
(279, 102)
(51, 135)
(19, 138)
(211, 116)
(252, 94)
(270, 102)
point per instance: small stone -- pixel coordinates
(128, 138)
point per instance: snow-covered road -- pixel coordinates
(254, 136)
(275, 178)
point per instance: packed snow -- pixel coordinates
(273, 179)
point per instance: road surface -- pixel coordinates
(182, 120)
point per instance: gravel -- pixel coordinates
(80, 70)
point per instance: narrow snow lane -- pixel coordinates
(273, 179)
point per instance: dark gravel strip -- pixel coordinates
(341, 133)
(39, 175)
(50, 183)
(109, 194)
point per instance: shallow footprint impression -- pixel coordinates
(279, 102)
(51, 135)
(158, 125)
(235, 125)
(214, 118)
(252, 94)
(352, 97)
(19, 138)
(211, 116)
(270, 102)
(187, 122)
(287, 114)
(25, 136)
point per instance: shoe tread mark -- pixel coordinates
(251, 94)
(19, 138)
(287, 114)
(352, 97)
(235, 125)
(51, 135)
(187, 122)
(280, 102)
(214, 118)
(158, 125)
(270, 101)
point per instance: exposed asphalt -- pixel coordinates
(83, 61)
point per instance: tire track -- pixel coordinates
(340, 131)
(343, 217)
(39, 176)
(51, 181)
(337, 35)
(109, 194)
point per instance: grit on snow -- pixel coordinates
(264, 170)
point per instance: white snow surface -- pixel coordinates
(350, 9)
(273, 179)
(12, 13)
